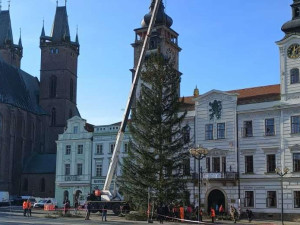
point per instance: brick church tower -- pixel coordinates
(10, 52)
(58, 78)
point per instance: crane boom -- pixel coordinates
(120, 135)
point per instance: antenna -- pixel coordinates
(56, 3)
(66, 2)
(0, 5)
(8, 5)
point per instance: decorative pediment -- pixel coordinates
(248, 151)
(217, 152)
(270, 149)
(295, 148)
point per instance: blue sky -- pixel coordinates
(225, 45)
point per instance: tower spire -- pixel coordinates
(77, 39)
(20, 39)
(43, 29)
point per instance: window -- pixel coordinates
(269, 127)
(56, 51)
(67, 169)
(216, 164)
(112, 146)
(42, 185)
(80, 149)
(68, 149)
(223, 164)
(126, 145)
(75, 129)
(99, 149)
(98, 169)
(25, 185)
(186, 167)
(208, 165)
(53, 82)
(53, 117)
(247, 131)
(249, 199)
(271, 199)
(186, 134)
(295, 124)
(271, 163)
(209, 132)
(79, 169)
(221, 130)
(71, 90)
(296, 199)
(294, 75)
(296, 162)
(249, 164)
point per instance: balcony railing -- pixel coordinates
(73, 178)
(220, 175)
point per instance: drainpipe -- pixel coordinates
(91, 165)
(238, 160)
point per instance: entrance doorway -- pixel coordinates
(216, 197)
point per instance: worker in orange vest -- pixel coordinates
(28, 208)
(25, 207)
(181, 212)
(212, 214)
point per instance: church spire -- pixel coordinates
(20, 39)
(43, 29)
(6, 35)
(77, 39)
(60, 28)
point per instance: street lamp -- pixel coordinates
(199, 153)
(282, 174)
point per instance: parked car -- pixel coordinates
(32, 201)
(41, 203)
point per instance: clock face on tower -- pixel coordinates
(293, 51)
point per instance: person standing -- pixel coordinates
(88, 211)
(221, 211)
(25, 207)
(28, 208)
(104, 212)
(217, 209)
(76, 206)
(200, 214)
(212, 214)
(160, 213)
(189, 211)
(181, 212)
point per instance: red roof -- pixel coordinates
(250, 95)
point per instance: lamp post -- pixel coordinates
(282, 174)
(199, 153)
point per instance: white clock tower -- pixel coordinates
(290, 56)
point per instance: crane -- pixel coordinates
(114, 159)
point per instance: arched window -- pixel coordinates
(294, 75)
(66, 196)
(71, 90)
(1, 124)
(70, 114)
(25, 185)
(53, 81)
(42, 185)
(53, 117)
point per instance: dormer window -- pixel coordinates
(294, 75)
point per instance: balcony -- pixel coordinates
(220, 176)
(73, 178)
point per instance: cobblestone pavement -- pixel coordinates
(15, 216)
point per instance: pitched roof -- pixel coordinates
(5, 27)
(41, 164)
(19, 89)
(60, 28)
(248, 95)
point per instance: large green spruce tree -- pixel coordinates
(156, 156)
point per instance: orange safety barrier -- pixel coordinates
(49, 207)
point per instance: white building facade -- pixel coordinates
(73, 167)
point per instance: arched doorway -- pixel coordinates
(66, 196)
(215, 197)
(76, 196)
